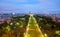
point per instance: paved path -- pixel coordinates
(33, 29)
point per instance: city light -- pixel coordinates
(45, 35)
(57, 32)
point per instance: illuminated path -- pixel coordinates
(33, 29)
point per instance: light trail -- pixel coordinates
(33, 29)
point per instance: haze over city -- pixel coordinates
(35, 6)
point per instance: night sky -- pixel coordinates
(34, 6)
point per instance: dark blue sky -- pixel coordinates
(35, 6)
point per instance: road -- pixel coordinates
(32, 29)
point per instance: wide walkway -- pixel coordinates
(32, 29)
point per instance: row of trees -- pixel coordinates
(47, 25)
(15, 28)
